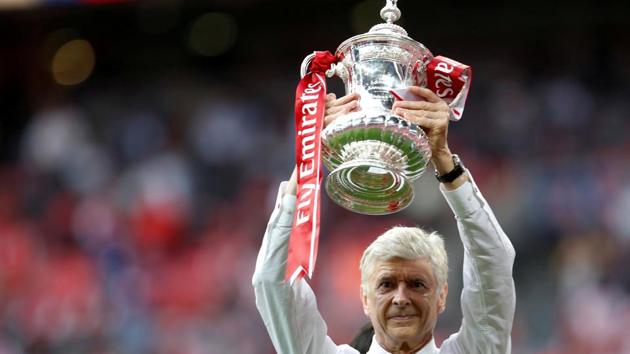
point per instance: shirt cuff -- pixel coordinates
(463, 200)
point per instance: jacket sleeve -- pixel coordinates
(488, 297)
(289, 311)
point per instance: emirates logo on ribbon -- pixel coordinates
(310, 106)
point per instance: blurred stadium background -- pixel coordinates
(141, 144)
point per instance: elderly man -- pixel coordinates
(404, 271)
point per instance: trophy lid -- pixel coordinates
(387, 31)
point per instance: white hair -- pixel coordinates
(406, 243)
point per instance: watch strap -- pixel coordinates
(450, 176)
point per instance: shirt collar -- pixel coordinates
(430, 348)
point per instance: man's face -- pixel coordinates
(403, 303)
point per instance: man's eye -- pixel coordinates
(418, 284)
(386, 284)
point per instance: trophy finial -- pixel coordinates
(390, 13)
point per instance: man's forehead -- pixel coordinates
(402, 267)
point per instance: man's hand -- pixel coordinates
(336, 107)
(432, 115)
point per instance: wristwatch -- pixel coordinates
(454, 173)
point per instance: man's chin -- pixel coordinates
(403, 333)
(403, 321)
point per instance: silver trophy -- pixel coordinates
(373, 154)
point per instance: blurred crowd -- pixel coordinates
(131, 214)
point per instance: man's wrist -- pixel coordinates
(453, 177)
(443, 162)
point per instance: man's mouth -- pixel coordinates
(402, 317)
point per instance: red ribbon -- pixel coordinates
(310, 106)
(450, 80)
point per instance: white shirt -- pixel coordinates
(488, 298)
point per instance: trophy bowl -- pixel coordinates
(373, 154)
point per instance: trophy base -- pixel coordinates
(369, 187)
(373, 157)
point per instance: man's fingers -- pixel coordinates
(340, 111)
(421, 105)
(423, 122)
(425, 119)
(348, 98)
(330, 119)
(347, 107)
(330, 98)
(422, 113)
(342, 100)
(425, 93)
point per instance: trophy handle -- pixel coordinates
(420, 69)
(306, 63)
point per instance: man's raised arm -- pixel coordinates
(289, 311)
(488, 297)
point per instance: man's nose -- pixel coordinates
(400, 296)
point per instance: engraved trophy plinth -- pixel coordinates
(373, 154)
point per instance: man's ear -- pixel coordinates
(364, 301)
(442, 298)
